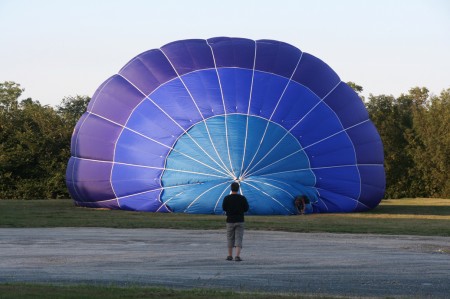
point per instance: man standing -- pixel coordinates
(235, 205)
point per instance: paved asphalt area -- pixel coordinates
(281, 262)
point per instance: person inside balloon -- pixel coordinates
(302, 204)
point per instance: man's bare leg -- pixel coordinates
(238, 251)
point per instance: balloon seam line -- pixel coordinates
(337, 133)
(157, 142)
(248, 169)
(248, 111)
(352, 199)
(273, 186)
(76, 146)
(279, 160)
(274, 199)
(198, 109)
(147, 97)
(137, 193)
(323, 167)
(153, 167)
(289, 185)
(296, 124)
(224, 107)
(281, 182)
(76, 139)
(120, 134)
(353, 146)
(170, 199)
(198, 197)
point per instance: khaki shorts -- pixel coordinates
(235, 233)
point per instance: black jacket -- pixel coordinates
(235, 205)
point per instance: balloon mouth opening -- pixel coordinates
(217, 152)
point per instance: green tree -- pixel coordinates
(9, 102)
(416, 139)
(407, 105)
(35, 144)
(72, 108)
(387, 118)
(9, 95)
(357, 88)
(430, 143)
(31, 161)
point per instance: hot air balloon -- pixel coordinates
(177, 125)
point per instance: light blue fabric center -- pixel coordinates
(267, 160)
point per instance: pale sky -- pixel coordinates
(64, 48)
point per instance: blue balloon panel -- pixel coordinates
(177, 125)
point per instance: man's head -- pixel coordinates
(300, 198)
(234, 187)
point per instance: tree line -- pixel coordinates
(415, 131)
(35, 142)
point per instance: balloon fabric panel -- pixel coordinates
(177, 125)
(148, 71)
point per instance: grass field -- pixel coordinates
(421, 216)
(18, 291)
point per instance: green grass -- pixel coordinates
(21, 290)
(425, 216)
